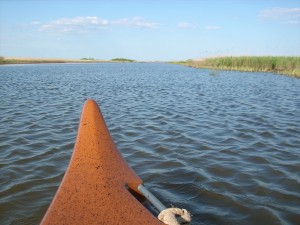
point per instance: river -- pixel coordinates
(224, 145)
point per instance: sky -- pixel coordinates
(148, 30)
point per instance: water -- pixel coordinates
(226, 146)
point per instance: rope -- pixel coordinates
(168, 216)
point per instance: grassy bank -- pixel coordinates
(4, 60)
(288, 65)
(28, 60)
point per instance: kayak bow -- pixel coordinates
(98, 187)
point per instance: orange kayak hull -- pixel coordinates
(95, 187)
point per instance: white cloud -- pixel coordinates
(212, 27)
(185, 25)
(282, 15)
(75, 24)
(135, 22)
(87, 23)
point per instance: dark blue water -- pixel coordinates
(226, 146)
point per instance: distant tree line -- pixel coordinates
(123, 60)
(87, 59)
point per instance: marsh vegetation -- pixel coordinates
(288, 65)
(10, 60)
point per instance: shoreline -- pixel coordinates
(25, 60)
(19, 60)
(285, 65)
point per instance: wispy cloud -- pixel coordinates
(35, 22)
(87, 23)
(75, 24)
(137, 22)
(186, 25)
(212, 27)
(281, 15)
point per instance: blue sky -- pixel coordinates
(148, 30)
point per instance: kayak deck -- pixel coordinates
(98, 184)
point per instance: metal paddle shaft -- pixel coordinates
(151, 198)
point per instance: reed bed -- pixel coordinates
(288, 65)
(4, 60)
(25, 61)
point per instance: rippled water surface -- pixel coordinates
(225, 146)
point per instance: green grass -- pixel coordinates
(288, 65)
(23, 61)
(122, 60)
(4, 60)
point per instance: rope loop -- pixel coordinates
(168, 216)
